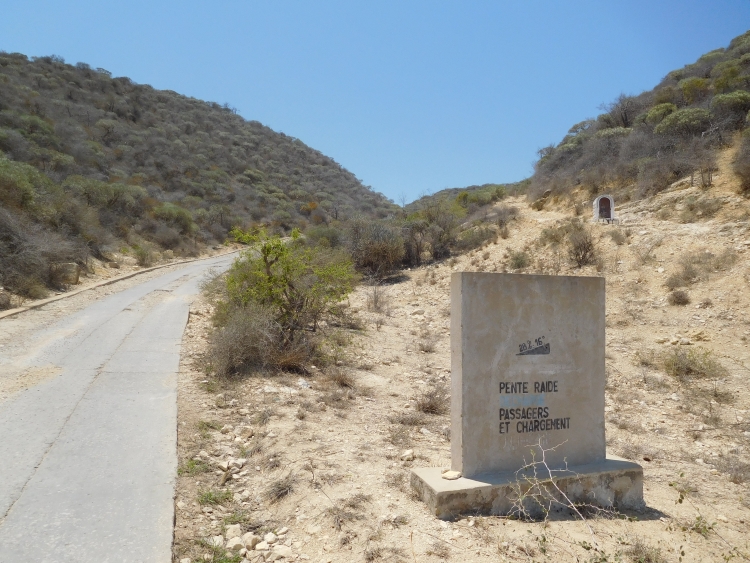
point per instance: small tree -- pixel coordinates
(298, 283)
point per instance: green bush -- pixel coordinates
(657, 113)
(175, 216)
(733, 106)
(684, 122)
(741, 164)
(519, 260)
(273, 300)
(685, 364)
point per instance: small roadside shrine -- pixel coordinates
(604, 209)
(527, 400)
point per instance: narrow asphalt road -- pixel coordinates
(88, 455)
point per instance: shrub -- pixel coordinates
(684, 122)
(678, 297)
(27, 251)
(657, 113)
(581, 248)
(506, 214)
(519, 260)
(376, 248)
(144, 255)
(434, 401)
(732, 106)
(474, 238)
(741, 164)
(275, 296)
(685, 364)
(618, 237)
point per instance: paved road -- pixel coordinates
(88, 455)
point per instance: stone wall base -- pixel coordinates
(612, 483)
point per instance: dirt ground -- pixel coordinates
(317, 467)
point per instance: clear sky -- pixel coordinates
(411, 96)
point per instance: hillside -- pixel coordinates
(641, 144)
(90, 163)
(676, 403)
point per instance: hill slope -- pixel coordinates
(644, 143)
(89, 162)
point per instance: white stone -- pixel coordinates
(283, 550)
(227, 428)
(234, 531)
(313, 529)
(235, 544)
(451, 475)
(408, 455)
(270, 538)
(261, 546)
(216, 541)
(185, 560)
(282, 531)
(418, 312)
(250, 540)
(722, 518)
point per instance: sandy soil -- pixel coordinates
(342, 448)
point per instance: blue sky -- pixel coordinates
(412, 97)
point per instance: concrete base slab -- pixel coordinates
(612, 483)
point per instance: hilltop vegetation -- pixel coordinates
(646, 142)
(90, 164)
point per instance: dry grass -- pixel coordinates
(263, 416)
(640, 552)
(408, 419)
(281, 488)
(340, 378)
(348, 510)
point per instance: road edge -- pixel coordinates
(42, 302)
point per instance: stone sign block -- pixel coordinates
(527, 357)
(527, 384)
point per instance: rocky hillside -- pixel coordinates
(90, 163)
(641, 144)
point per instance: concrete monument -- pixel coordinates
(527, 397)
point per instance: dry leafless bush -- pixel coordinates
(435, 401)
(644, 251)
(408, 419)
(678, 297)
(618, 236)
(506, 214)
(732, 465)
(378, 300)
(340, 378)
(582, 248)
(251, 339)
